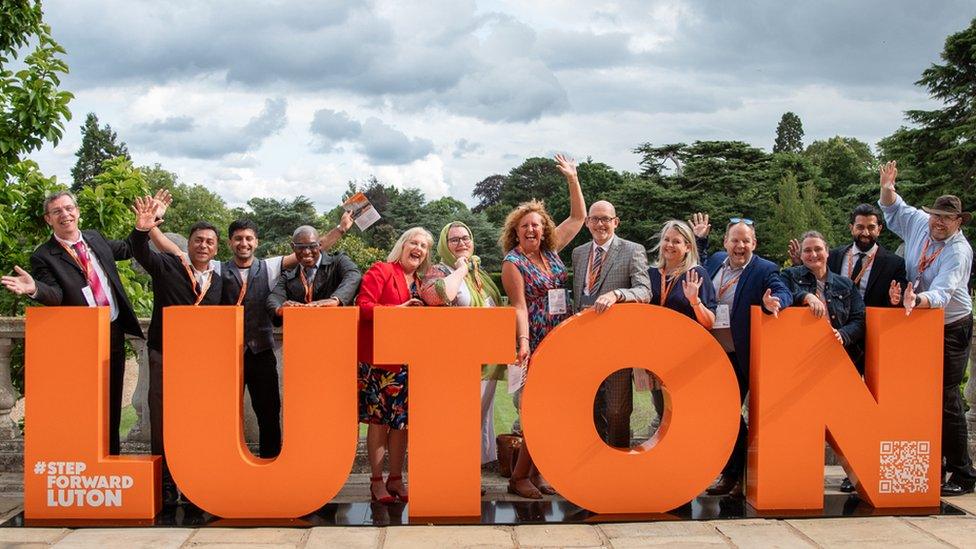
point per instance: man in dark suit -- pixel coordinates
(742, 279)
(78, 268)
(319, 280)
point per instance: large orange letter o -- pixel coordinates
(694, 440)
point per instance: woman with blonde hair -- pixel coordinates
(535, 279)
(383, 387)
(680, 283)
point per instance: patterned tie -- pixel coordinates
(595, 269)
(859, 264)
(96, 285)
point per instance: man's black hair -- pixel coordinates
(241, 225)
(866, 210)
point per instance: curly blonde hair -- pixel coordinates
(509, 237)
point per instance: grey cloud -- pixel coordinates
(379, 142)
(576, 49)
(647, 93)
(463, 148)
(180, 136)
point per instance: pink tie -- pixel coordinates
(96, 285)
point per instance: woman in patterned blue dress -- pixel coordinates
(531, 242)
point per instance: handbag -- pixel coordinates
(508, 450)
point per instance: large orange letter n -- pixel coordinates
(887, 429)
(203, 393)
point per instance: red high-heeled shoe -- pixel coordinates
(372, 495)
(399, 496)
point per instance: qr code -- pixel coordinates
(904, 466)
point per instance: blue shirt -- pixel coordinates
(945, 281)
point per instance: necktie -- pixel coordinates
(595, 269)
(96, 285)
(858, 265)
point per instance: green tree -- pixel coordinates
(789, 134)
(797, 209)
(277, 220)
(191, 203)
(32, 109)
(488, 191)
(938, 152)
(98, 144)
(848, 166)
(362, 254)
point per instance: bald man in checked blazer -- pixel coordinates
(609, 270)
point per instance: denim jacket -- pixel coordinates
(844, 303)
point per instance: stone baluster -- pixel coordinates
(140, 395)
(10, 329)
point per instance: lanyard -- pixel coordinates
(864, 266)
(87, 269)
(305, 284)
(193, 284)
(925, 261)
(240, 295)
(665, 287)
(723, 285)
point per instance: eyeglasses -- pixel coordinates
(746, 220)
(67, 209)
(455, 240)
(601, 219)
(302, 247)
(945, 218)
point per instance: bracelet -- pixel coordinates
(524, 337)
(699, 302)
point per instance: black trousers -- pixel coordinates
(736, 464)
(955, 443)
(261, 380)
(612, 407)
(116, 377)
(156, 408)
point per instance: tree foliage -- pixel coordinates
(789, 134)
(98, 144)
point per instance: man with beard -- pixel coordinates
(939, 260)
(319, 280)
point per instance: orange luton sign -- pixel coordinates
(886, 428)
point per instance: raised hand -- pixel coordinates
(346, 221)
(691, 285)
(771, 302)
(566, 166)
(163, 199)
(817, 307)
(794, 251)
(894, 293)
(20, 283)
(908, 301)
(888, 171)
(146, 208)
(699, 224)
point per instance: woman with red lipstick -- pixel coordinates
(827, 294)
(535, 280)
(383, 387)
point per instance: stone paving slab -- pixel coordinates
(957, 531)
(31, 535)
(344, 538)
(270, 536)
(423, 537)
(642, 534)
(768, 534)
(125, 538)
(550, 535)
(880, 532)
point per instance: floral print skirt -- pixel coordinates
(383, 396)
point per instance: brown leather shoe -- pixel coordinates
(723, 486)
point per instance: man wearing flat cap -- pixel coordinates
(938, 259)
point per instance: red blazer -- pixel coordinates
(383, 284)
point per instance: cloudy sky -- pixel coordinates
(280, 98)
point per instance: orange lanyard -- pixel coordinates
(305, 284)
(87, 269)
(665, 287)
(925, 261)
(240, 295)
(864, 267)
(723, 285)
(193, 284)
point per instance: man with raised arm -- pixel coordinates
(741, 280)
(939, 259)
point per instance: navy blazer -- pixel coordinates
(759, 275)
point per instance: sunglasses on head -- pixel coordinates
(735, 220)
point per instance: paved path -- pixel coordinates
(882, 532)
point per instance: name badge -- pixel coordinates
(557, 302)
(721, 316)
(89, 295)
